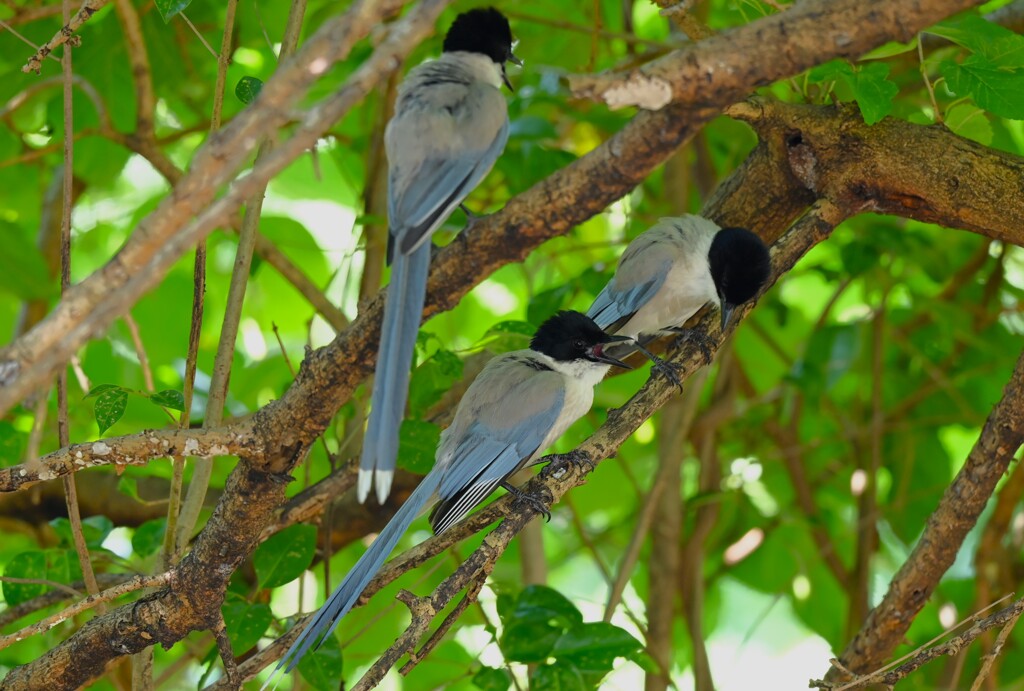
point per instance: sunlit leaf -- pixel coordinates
(996, 43)
(109, 408)
(969, 121)
(169, 398)
(992, 87)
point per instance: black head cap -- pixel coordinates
(484, 30)
(740, 265)
(571, 336)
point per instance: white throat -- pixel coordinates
(582, 372)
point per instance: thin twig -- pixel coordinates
(96, 600)
(66, 34)
(990, 656)
(199, 35)
(24, 40)
(60, 592)
(140, 352)
(63, 427)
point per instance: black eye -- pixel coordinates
(579, 343)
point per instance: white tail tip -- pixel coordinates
(363, 485)
(383, 485)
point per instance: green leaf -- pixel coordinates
(872, 90)
(432, 379)
(169, 8)
(492, 679)
(23, 271)
(417, 445)
(560, 676)
(129, 486)
(323, 668)
(110, 407)
(30, 565)
(62, 566)
(830, 71)
(245, 623)
(969, 121)
(285, 555)
(887, 50)
(95, 530)
(996, 43)
(169, 398)
(247, 89)
(101, 388)
(537, 621)
(997, 90)
(596, 645)
(149, 537)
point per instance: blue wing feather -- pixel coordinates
(615, 304)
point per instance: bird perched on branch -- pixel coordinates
(449, 127)
(517, 407)
(670, 271)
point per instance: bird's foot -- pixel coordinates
(535, 503)
(559, 463)
(669, 370)
(698, 338)
(471, 218)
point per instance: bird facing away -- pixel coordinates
(449, 127)
(674, 268)
(517, 407)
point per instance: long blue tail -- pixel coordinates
(402, 312)
(349, 590)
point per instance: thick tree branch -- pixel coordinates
(847, 28)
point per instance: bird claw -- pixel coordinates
(471, 218)
(701, 340)
(535, 503)
(561, 462)
(669, 370)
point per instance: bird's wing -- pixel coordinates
(639, 276)
(421, 196)
(505, 431)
